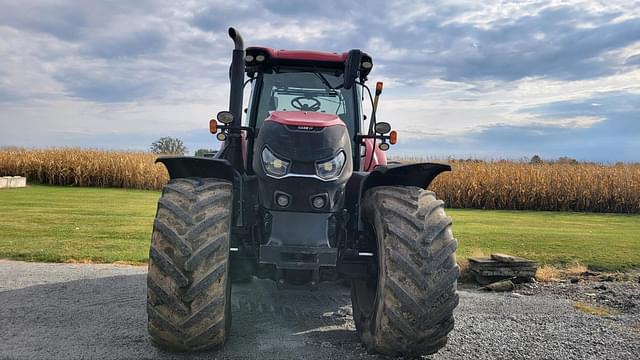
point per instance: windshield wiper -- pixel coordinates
(326, 83)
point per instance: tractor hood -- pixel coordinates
(303, 137)
(305, 119)
(301, 145)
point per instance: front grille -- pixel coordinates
(299, 167)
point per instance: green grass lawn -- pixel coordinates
(47, 223)
(601, 241)
(56, 224)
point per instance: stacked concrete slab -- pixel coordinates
(497, 267)
(12, 182)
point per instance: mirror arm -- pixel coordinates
(228, 129)
(360, 137)
(372, 122)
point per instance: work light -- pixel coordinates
(382, 127)
(282, 200)
(225, 117)
(318, 202)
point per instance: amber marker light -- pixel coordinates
(393, 137)
(379, 88)
(213, 126)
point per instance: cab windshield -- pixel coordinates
(306, 91)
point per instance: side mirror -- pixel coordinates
(351, 68)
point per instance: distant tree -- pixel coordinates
(566, 160)
(535, 159)
(203, 152)
(168, 146)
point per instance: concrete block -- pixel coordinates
(13, 182)
(18, 182)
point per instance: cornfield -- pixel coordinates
(482, 185)
(82, 167)
(523, 186)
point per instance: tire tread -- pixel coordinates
(187, 283)
(418, 294)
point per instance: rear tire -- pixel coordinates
(407, 307)
(188, 289)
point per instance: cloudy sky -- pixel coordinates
(488, 79)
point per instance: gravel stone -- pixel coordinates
(73, 311)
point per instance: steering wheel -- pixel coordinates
(310, 104)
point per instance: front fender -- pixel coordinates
(420, 175)
(197, 167)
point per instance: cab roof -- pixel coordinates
(302, 55)
(272, 58)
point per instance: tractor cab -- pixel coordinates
(304, 82)
(298, 91)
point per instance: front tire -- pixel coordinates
(188, 287)
(406, 307)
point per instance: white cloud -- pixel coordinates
(385, 49)
(455, 108)
(159, 66)
(302, 32)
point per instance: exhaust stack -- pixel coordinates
(236, 77)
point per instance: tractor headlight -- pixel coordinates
(273, 165)
(332, 168)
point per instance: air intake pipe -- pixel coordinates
(236, 77)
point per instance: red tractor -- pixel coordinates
(301, 192)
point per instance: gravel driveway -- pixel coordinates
(67, 311)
